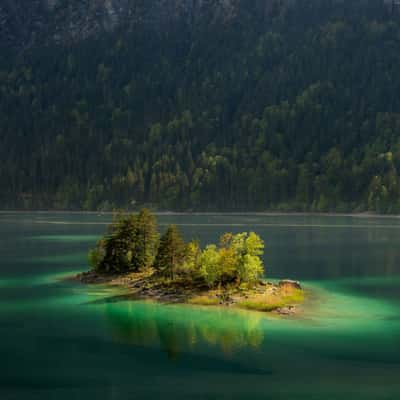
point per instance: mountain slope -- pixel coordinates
(23, 24)
(236, 105)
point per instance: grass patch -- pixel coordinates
(296, 297)
(204, 301)
(270, 303)
(260, 305)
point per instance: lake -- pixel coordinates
(63, 340)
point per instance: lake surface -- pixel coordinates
(63, 340)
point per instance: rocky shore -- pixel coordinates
(282, 297)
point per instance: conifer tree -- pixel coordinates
(171, 252)
(146, 240)
(119, 245)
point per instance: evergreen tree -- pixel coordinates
(171, 252)
(279, 117)
(130, 245)
(146, 240)
(119, 246)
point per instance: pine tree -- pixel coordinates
(119, 245)
(171, 252)
(146, 240)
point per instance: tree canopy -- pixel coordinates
(132, 245)
(171, 252)
(294, 108)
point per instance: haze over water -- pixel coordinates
(63, 340)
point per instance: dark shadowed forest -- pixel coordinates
(297, 108)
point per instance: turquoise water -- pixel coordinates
(63, 340)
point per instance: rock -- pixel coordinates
(286, 310)
(289, 284)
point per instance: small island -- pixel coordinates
(166, 269)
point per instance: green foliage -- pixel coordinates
(119, 245)
(248, 249)
(211, 267)
(171, 252)
(191, 261)
(130, 244)
(96, 255)
(250, 268)
(274, 116)
(146, 240)
(237, 260)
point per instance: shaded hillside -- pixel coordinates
(24, 24)
(272, 105)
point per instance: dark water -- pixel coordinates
(61, 340)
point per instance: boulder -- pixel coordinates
(289, 284)
(285, 310)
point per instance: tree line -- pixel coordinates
(297, 109)
(133, 244)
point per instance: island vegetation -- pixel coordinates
(168, 269)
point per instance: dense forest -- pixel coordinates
(294, 109)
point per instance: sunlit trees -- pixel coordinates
(132, 245)
(249, 248)
(237, 260)
(192, 260)
(244, 251)
(210, 268)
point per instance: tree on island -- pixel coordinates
(236, 260)
(247, 248)
(190, 267)
(130, 245)
(133, 245)
(171, 252)
(114, 252)
(146, 240)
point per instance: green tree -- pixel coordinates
(171, 252)
(210, 265)
(119, 245)
(191, 262)
(146, 240)
(248, 247)
(238, 259)
(130, 245)
(96, 255)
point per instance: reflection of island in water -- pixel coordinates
(176, 328)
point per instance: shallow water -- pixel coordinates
(62, 340)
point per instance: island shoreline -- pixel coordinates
(283, 297)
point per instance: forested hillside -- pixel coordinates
(296, 107)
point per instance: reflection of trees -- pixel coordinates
(176, 329)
